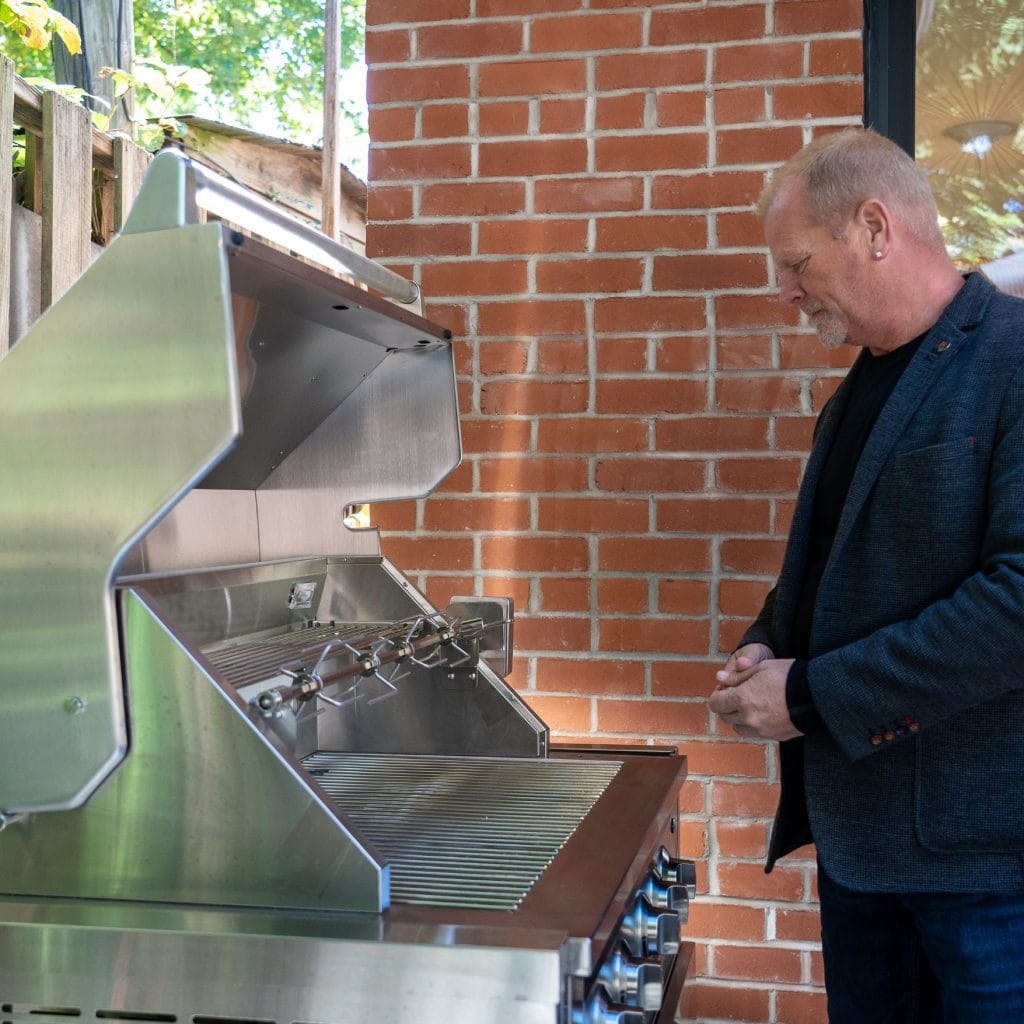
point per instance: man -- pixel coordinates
(889, 657)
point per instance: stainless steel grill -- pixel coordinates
(461, 833)
(258, 775)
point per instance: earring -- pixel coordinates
(877, 254)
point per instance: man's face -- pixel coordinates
(821, 271)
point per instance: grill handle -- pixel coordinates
(176, 189)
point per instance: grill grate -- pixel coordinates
(463, 832)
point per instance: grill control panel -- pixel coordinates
(629, 984)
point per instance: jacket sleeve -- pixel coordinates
(959, 651)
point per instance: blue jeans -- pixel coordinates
(922, 958)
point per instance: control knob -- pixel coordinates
(632, 981)
(648, 931)
(598, 1010)
(677, 872)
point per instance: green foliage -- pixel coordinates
(35, 22)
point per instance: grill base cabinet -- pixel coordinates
(247, 771)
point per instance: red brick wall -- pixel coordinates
(572, 183)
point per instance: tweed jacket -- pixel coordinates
(916, 656)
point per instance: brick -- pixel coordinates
(517, 589)
(802, 351)
(556, 633)
(504, 118)
(683, 678)
(710, 25)
(645, 234)
(430, 552)
(713, 515)
(537, 317)
(745, 311)
(411, 84)
(620, 112)
(650, 475)
(793, 433)
(563, 356)
(439, 589)
(476, 515)
(415, 163)
(586, 32)
(591, 435)
(744, 352)
(529, 475)
(472, 38)
(752, 556)
(744, 799)
(650, 70)
(563, 714)
(392, 124)
(726, 921)
(394, 515)
(730, 633)
(565, 595)
(495, 435)
(650, 395)
(586, 195)
(757, 145)
(783, 517)
(739, 231)
(452, 316)
(753, 62)
(649, 313)
(800, 17)
(535, 554)
(621, 355)
(592, 515)
(646, 152)
(705, 190)
(710, 272)
(794, 1007)
(837, 56)
(473, 278)
(720, 1002)
(531, 397)
(680, 109)
(386, 47)
(748, 881)
(444, 121)
(460, 481)
(741, 105)
(712, 433)
(820, 99)
(503, 8)
(653, 554)
(533, 237)
(384, 203)
(741, 838)
(742, 597)
(683, 597)
(798, 926)
(385, 12)
(681, 355)
(758, 394)
(623, 596)
(590, 675)
(692, 837)
(541, 156)
(822, 389)
(532, 78)
(559, 117)
(502, 357)
(589, 275)
(760, 475)
(473, 199)
(751, 962)
(651, 717)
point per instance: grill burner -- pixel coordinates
(463, 833)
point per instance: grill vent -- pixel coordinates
(463, 832)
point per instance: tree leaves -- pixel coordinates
(36, 22)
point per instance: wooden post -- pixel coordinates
(67, 194)
(329, 219)
(6, 187)
(130, 165)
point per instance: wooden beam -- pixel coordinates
(130, 166)
(67, 194)
(329, 222)
(6, 198)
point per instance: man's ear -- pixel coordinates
(874, 223)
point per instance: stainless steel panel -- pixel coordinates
(463, 832)
(204, 811)
(105, 379)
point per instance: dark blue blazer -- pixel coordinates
(917, 641)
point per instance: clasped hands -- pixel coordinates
(751, 694)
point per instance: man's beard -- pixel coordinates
(831, 330)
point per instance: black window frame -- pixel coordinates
(890, 59)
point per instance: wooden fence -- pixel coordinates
(78, 181)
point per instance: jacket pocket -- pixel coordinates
(967, 783)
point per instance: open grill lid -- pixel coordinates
(197, 398)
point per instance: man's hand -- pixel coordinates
(751, 694)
